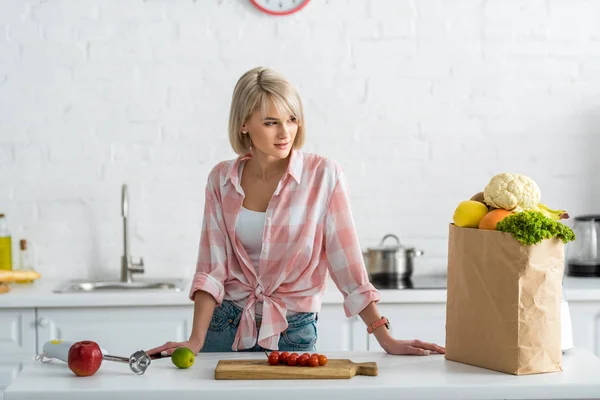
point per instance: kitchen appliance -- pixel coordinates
(391, 266)
(138, 362)
(583, 254)
(261, 369)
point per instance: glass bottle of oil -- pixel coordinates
(25, 263)
(5, 245)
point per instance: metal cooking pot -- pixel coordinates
(388, 265)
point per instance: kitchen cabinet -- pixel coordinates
(123, 330)
(336, 332)
(425, 321)
(17, 331)
(10, 366)
(585, 319)
(118, 330)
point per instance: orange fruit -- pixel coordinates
(491, 219)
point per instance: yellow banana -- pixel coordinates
(552, 214)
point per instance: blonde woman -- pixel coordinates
(276, 222)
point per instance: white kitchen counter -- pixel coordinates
(410, 377)
(40, 295)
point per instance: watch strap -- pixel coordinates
(383, 321)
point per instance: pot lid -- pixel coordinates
(388, 247)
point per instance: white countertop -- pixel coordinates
(410, 377)
(40, 294)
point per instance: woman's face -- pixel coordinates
(274, 135)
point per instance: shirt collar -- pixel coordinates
(294, 167)
(296, 164)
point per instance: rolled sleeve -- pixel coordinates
(344, 255)
(359, 298)
(205, 282)
(211, 268)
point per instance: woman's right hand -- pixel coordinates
(168, 348)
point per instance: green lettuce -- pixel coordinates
(531, 227)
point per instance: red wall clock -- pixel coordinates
(279, 7)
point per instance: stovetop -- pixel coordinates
(427, 282)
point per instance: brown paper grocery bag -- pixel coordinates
(503, 302)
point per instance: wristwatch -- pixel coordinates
(378, 323)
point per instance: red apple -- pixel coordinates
(85, 358)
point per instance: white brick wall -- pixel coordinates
(420, 101)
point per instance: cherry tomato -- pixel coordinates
(275, 352)
(315, 355)
(274, 358)
(292, 359)
(313, 361)
(283, 357)
(322, 359)
(306, 354)
(303, 359)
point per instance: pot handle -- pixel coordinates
(391, 235)
(414, 252)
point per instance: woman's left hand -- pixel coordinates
(414, 347)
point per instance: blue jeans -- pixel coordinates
(300, 336)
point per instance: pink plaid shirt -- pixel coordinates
(309, 233)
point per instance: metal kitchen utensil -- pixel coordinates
(138, 362)
(390, 265)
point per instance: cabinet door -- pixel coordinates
(8, 372)
(336, 332)
(17, 331)
(426, 322)
(585, 321)
(118, 330)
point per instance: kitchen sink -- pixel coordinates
(117, 286)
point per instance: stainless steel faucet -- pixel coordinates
(128, 267)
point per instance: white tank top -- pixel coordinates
(249, 229)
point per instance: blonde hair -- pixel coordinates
(253, 91)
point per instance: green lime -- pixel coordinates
(183, 357)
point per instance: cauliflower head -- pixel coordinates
(512, 191)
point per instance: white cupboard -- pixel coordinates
(118, 330)
(425, 321)
(585, 318)
(10, 366)
(336, 332)
(17, 330)
(123, 330)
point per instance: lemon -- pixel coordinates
(469, 213)
(183, 357)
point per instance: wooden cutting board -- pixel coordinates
(260, 369)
